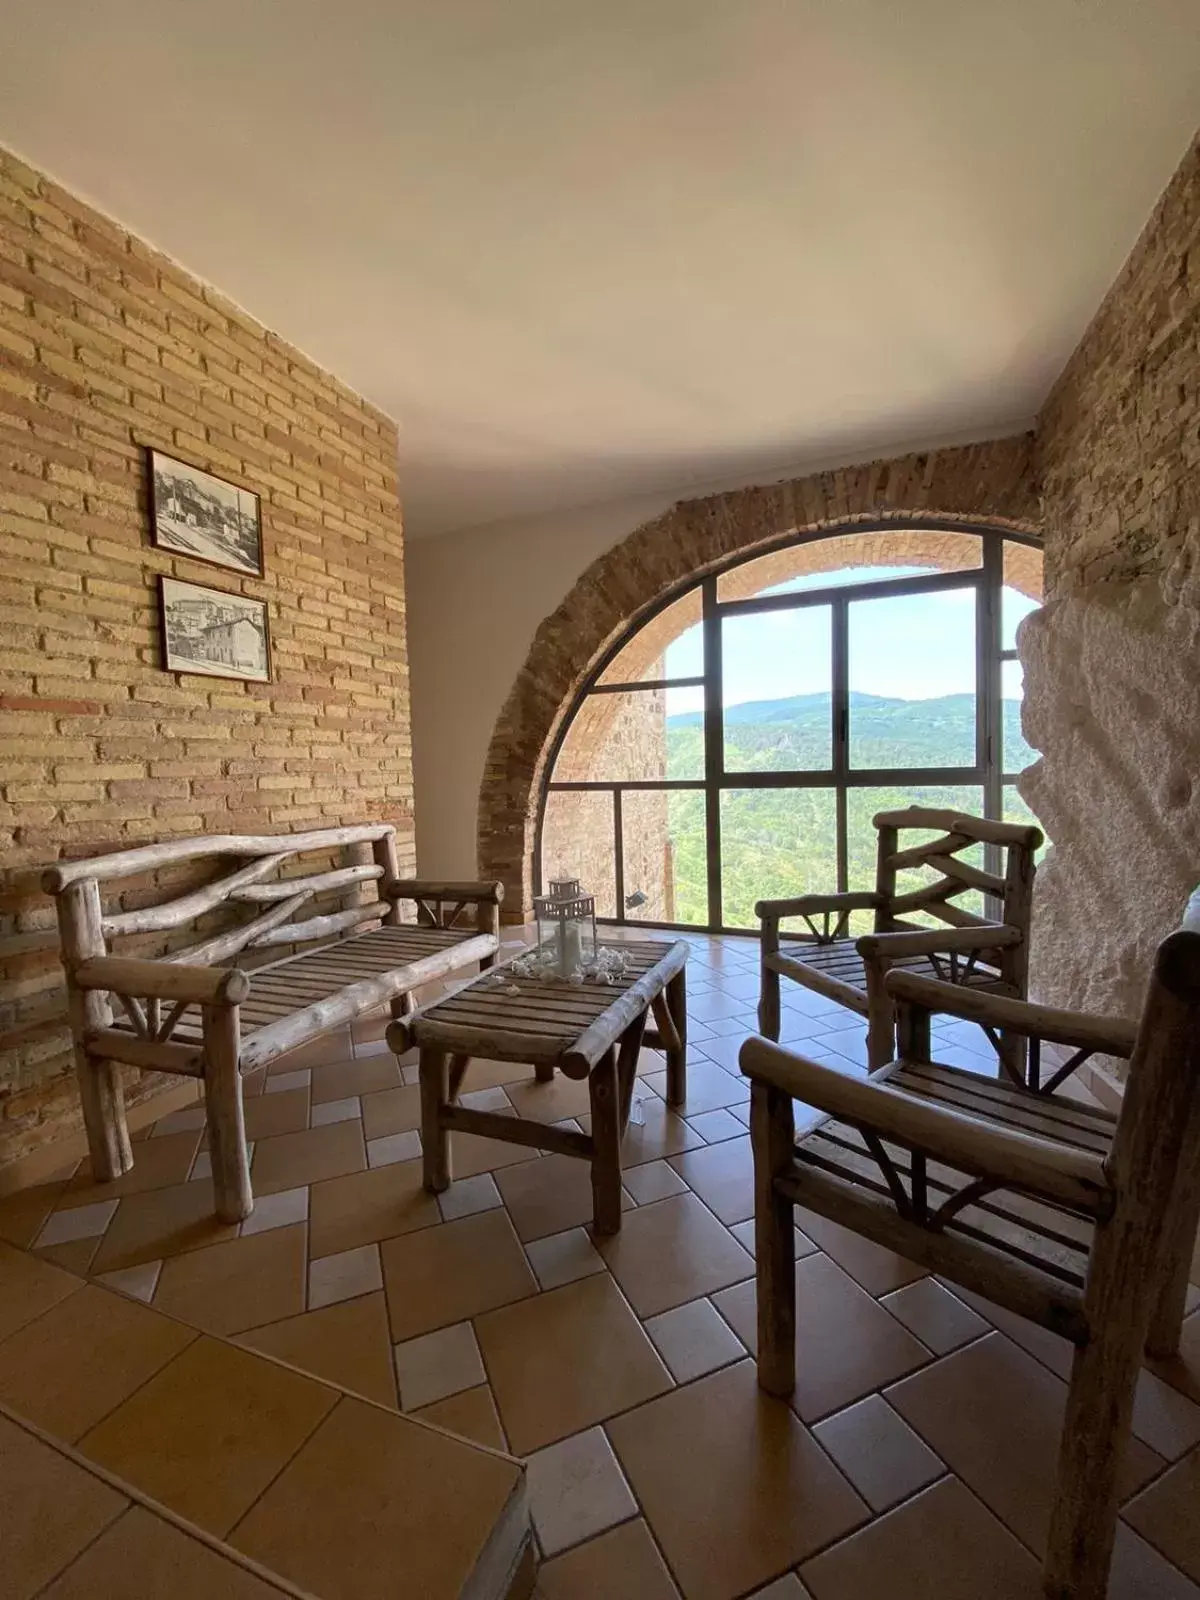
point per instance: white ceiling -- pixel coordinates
(582, 249)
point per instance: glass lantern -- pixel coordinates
(566, 926)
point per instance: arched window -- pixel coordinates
(736, 745)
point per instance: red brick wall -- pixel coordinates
(106, 347)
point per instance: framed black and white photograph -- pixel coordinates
(198, 515)
(221, 635)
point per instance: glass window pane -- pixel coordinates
(670, 645)
(775, 843)
(777, 682)
(664, 860)
(629, 737)
(577, 842)
(862, 838)
(861, 557)
(912, 680)
(1022, 592)
(1016, 809)
(1015, 754)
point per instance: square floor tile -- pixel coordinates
(671, 1252)
(328, 1111)
(576, 1490)
(662, 1133)
(716, 1126)
(364, 1207)
(723, 1176)
(395, 1147)
(563, 1257)
(82, 1357)
(547, 1195)
(28, 1287)
(1165, 1514)
(493, 1099)
(391, 1111)
(139, 1283)
(937, 1317)
(165, 1222)
(373, 1075)
(191, 1118)
(294, 1159)
(73, 1255)
(50, 1510)
(878, 1270)
(346, 1343)
(344, 1276)
(994, 1416)
(454, 1271)
(156, 1164)
(735, 1490)
(438, 1364)
(1140, 1572)
(709, 1088)
(209, 1432)
(943, 1543)
(227, 1288)
(23, 1212)
(471, 1414)
(333, 1522)
(567, 1359)
(282, 1082)
(550, 1102)
(878, 1452)
(846, 1344)
(694, 1339)
(743, 1232)
(277, 1210)
(81, 1222)
(466, 1196)
(788, 1587)
(655, 1180)
(269, 1115)
(623, 1562)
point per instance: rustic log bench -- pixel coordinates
(185, 1013)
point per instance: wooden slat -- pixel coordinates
(317, 883)
(917, 855)
(992, 1097)
(174, 913)
(960, 1100)
(974, 877)
(150, 857)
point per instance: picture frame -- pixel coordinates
(213, 633)
(194, 513)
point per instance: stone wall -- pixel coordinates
(106, 348)
(1113, 661)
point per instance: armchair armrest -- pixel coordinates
(155, 980)
(1080, 1030)
(894, 945)
(809, 904)
(472, 892)
(1018, 1160)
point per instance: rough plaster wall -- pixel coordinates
(1112, 685)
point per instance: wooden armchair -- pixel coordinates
(1082, 1221)
(988, 954)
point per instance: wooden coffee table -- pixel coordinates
(590, 1030)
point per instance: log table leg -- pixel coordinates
(676, 997)
(543, 1071)
(435, 1139)
(606, 1142)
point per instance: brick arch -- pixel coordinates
(987, 486)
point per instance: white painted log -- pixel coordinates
(199, 985)
(223, 945)
(432, 889)
(318, 883)
(232, 1194)
(174, 913)
(320, 927)
(100, 1093)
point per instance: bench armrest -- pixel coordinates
(892, 946)
(156, 980)
(470, 893)
(1017, 1160)
(1080, 1030)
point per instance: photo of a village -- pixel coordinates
(204, 517)
(222, 635)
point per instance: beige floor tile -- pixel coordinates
(743, 1232)
(333, 1047)
(723, 1176)
(76, 1222)
(576, 1490)
(144, 1556)
(388, 1111)
(23, 1212)
(623, 1562)
(880, 1454)
(661, 1134)
(788, 1587)
(270, 1115)
(75, 1255)
(563, 1257)
(471, 1154)
(364, 1207)
(157, 1163)
(566, 1360)
(281, 1082)
(472, 1414)
(672, 1252)
(230, 1287)
(735, 1490)
(370, 1076)
(547, 1195)
(943, 1544)
(344, 1276)
(656, 1180)
(438, 1364)
(937, 1317)
(83, 1357)
(346, 1344)
(28, 1287)
(846, 1344)
(878, 1270)
(294, 1159)
(466, 1196)
(1140, 1572)
(208, 1434)
(333, 1522)
(165, 1222)
(50, 1510)
(278, 1210)
(454, 1271)
(709, 1088)
(1166, 1515)
(694, 1339)
(715, 1127)
(549, 1102)
(489, 1074)
(139, 1283)
(994, 1415)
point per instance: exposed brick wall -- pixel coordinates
(990, 484)
(106, 347)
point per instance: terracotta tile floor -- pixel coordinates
(916, 1457)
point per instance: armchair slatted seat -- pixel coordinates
(988, 954)
(1061, 1212)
